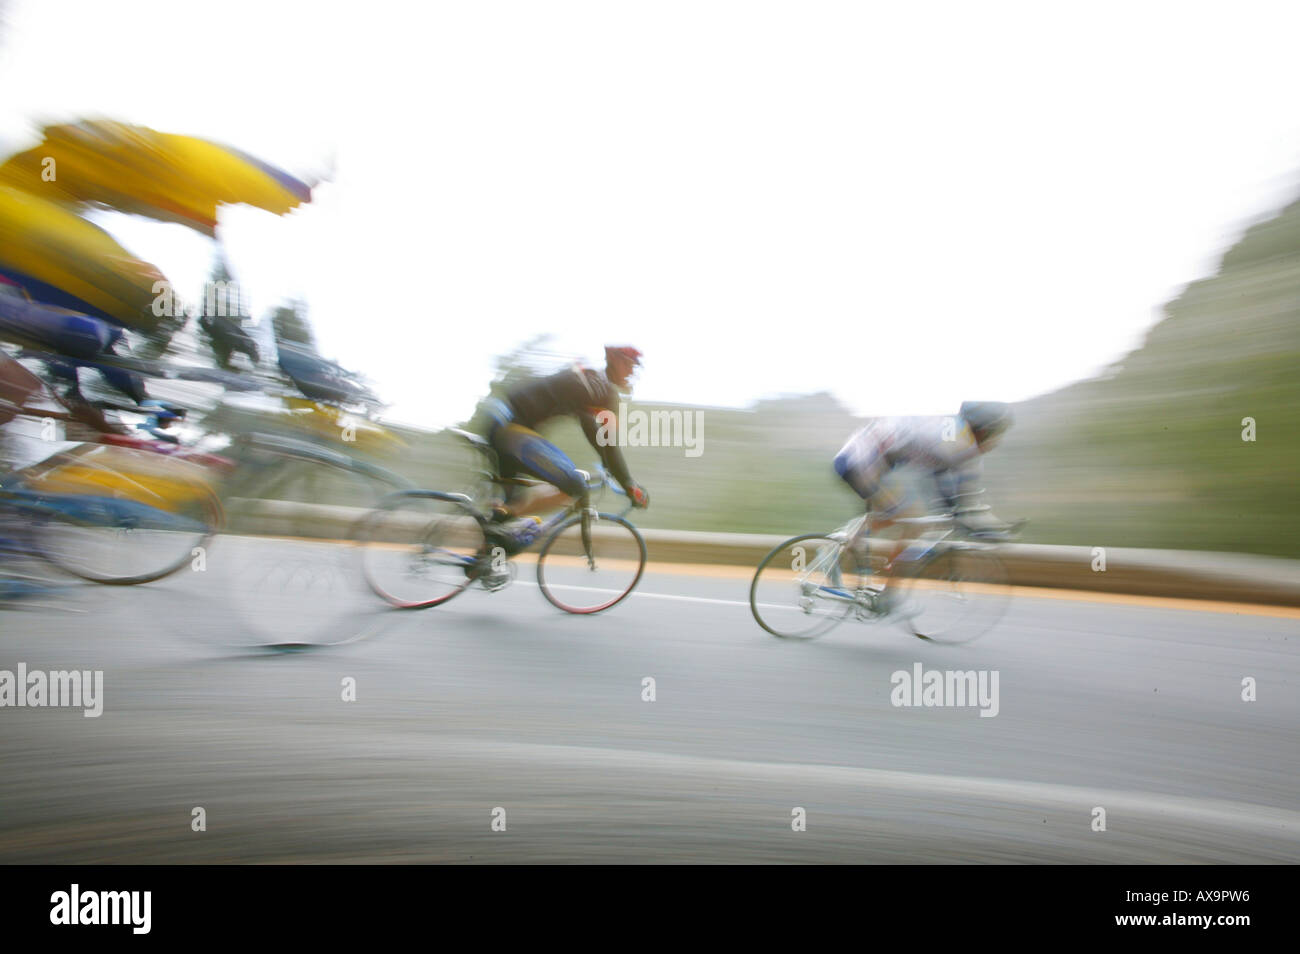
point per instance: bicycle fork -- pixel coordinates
(589, 516)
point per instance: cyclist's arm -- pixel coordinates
(960, 486)
(602, 435)
(966, 500)
(958, 470)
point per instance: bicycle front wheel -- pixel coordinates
(806, 586)
(419, 551)
(956, 595)
(584, 579)
(119, 541)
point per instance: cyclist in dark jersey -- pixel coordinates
(590, 396)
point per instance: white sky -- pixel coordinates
(905, 204)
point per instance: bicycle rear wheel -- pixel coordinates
(286, 572)
(578, 583)
(806, 586)
(956, 596)
(419, 551)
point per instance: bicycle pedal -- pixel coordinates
(498, 579)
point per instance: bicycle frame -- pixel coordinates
(828, 564)
(945, 526)
(828, 588)
(548, 527)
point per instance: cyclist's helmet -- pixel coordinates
(987, 419)
(631, 354)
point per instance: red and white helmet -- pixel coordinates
(630, 353)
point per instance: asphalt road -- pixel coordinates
(499, 701)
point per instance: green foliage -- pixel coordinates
(1153, 455)
(291, 326)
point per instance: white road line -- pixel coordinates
(666, 596)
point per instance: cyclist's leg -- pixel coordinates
(891, 503)
(524, 450)
(862, 465)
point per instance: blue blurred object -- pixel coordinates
(69, 333)
(17, 588)
(104, 512)
(161, 415)
(319, 379)
(126, 382)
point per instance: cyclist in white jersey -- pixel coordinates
(948, 449)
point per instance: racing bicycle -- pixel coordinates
(421, 548)
(948, 585)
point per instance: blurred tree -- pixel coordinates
(528, 361)
(291, 326)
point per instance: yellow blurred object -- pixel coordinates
(103, 470)
(160, 175)
(44, 244)
(335, 424)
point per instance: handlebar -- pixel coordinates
(602, 479)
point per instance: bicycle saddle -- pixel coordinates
(485, 447)
(478, 442)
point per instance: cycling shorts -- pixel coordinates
(522, 450)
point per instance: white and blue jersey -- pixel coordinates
(942, 447)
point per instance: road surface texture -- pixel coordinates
(499, 707)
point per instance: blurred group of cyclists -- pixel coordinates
(947, 449)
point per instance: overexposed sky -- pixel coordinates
(904, 204)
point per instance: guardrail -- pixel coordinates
(1185, 574)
